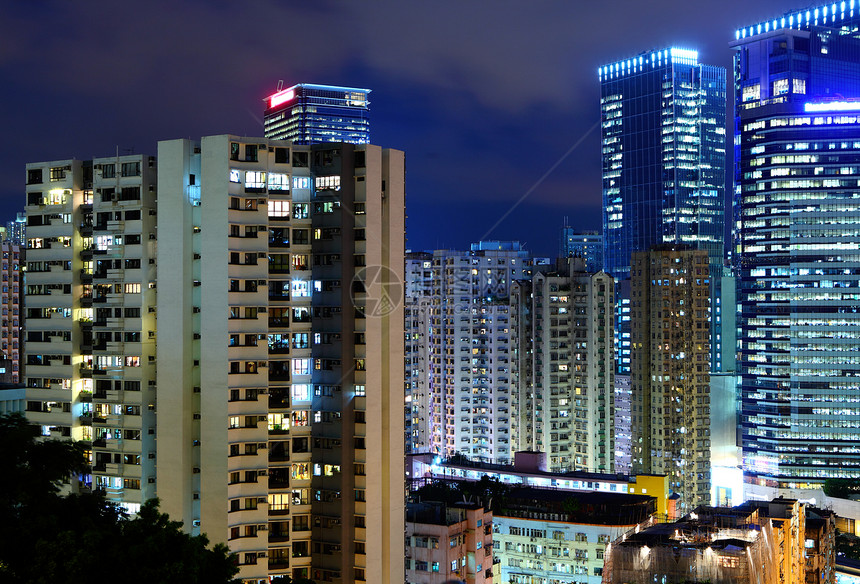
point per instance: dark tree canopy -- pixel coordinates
(48, 538)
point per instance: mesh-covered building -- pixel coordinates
(781, 541)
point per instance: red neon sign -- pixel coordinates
(281, 97)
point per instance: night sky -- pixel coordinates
(483, 96)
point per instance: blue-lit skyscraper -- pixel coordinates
(312, 114)
(797, 237)
(664, 163)
(663, 138)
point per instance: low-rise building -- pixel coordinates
(778, 542)
(546, 536)
(449, 542)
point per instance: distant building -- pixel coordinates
(670, 383)
(544, 535)
(448, 541)
(459, 353)
(562, 367)
(529, 470)
(663, 137)
(12, 308)
(16, 231)
(12, 398)
(797, 143)
(587, 245)
(313, 114)
(90, 315)
(777, 542)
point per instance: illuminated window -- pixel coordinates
(301, 392)
(327, 182)
(235, 177)
(751, 93)
(255, 179)
(780, 86)
(301, 366)
(132, 288)
(300, 289)
(301, 471)
(301, 182)
(301, 211)
(799, 86)
(279, 182)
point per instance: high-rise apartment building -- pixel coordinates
(12, 309)
(90, 309)
(16, 231)
(280, 372)
(587, 245)
(797, 145)
(417, 313)
(460, 349)
(664, 163)
(563, 366)
(312, 114)
(670, 381)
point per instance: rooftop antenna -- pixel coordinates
(280, 84)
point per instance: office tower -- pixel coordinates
(663, 137)
(16, 231)
(587, 245)
(582, 244)
(797, 81)
(563, 395)
(459, 317)
(663, 144)
(312, 114)
(669, 370)
(11, 324)
(90, 301)
(280, 361)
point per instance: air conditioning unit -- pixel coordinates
(262, 254)
(262, 473)
(263, 527)
(261, 499)
(262, 446)
(261, 554)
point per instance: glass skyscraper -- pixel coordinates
(797, 244)
(663, 138)
(312, 114)
(664, 163)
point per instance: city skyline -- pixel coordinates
(475, 83)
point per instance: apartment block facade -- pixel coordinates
(563, 367)
(459, 375)
(281, 356)
(90, 297)
(12, 309)
(670, 374)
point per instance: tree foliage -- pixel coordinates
(50, 538)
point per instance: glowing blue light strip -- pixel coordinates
(638, 63)
(803, 19)
(832, 106)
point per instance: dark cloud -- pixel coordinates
(484, 96)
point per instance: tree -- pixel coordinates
(50, 538)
